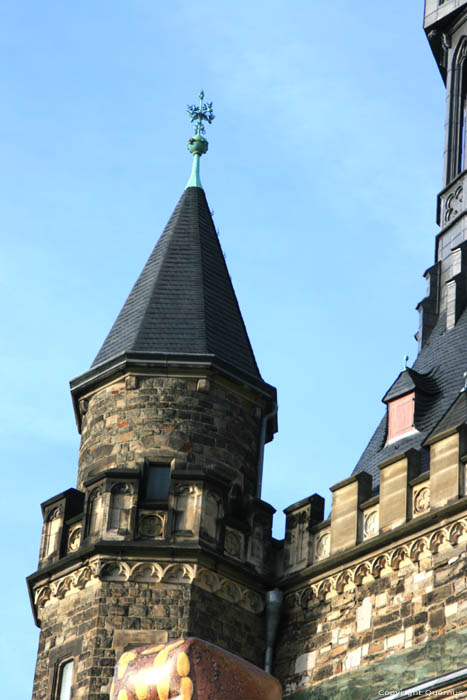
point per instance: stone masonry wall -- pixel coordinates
(205, 422)
(239, 631)
(96, 624)
(356, 617)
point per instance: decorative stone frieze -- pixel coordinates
(113, 570)
(380, 565)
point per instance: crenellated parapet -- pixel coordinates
(357, 516)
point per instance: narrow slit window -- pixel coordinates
(64, 680)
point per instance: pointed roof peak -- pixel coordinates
(183, 302)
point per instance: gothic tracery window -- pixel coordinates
(52, 532)
(96, 512)
(457, 113)
(120, 505)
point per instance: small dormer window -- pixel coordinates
(401, 416)
(407, 400)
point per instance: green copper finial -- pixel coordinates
(198, 144)
(202, 113)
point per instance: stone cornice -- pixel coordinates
(134, 555)
(103, 568)
(164, 364)
(149, 551)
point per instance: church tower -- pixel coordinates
(165, 534)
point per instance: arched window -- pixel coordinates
(52, 532)
(65, 673)
(456, 162)
(120, 505)
(96, 512)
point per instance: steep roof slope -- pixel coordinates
(444, 358)
(183, 301)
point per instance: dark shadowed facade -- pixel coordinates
(166, 537)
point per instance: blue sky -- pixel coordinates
(324, 162)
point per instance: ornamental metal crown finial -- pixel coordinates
(197, 144)
(201, 114)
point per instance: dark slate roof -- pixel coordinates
(455, 415)
(183, 301)
(407, 381)
(444, 359)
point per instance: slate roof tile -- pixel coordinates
(183, 301)
(408, 380)
(455, 415)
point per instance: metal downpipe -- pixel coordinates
(274, 600)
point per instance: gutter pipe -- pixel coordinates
(262, 439)
(274, 600)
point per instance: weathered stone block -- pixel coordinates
(394, 490)
(347, 496)
(444, 471)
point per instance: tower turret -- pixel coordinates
(447, 281)
(165, 535)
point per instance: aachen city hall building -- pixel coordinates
(165, 535)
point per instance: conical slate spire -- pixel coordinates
(183, 302)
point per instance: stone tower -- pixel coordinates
(165, 535)
(376, 596)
